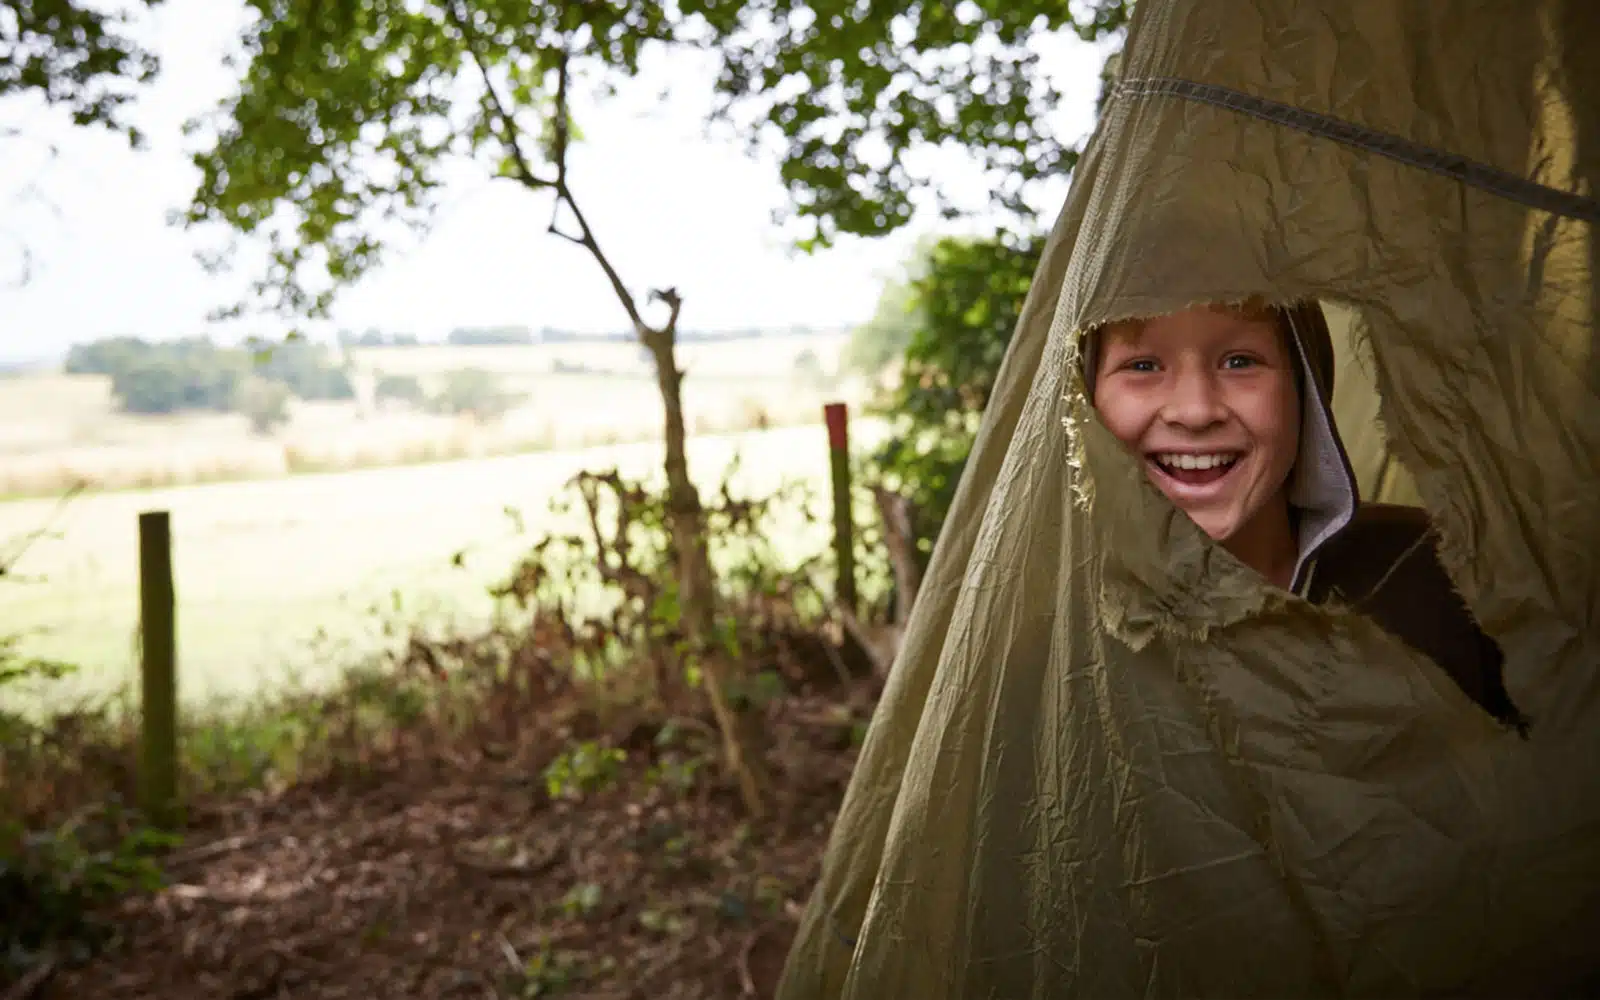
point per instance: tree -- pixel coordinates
(264, 402)
(853, 91)
(344, 119)
(74, 56)
(406, 389)
(967, 296)
(473, 392)
(877, 343)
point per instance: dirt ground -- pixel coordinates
(440, 876)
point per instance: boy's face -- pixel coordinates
(1207, 398)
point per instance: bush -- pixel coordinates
(57, 878)
(55, 883)
(808, 369)
(401, 389)
(966, 297)
(473, 392)
(263, 402)
(195, 374)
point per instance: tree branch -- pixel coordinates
(509, 132)
(585, 237)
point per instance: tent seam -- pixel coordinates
(1472, 173)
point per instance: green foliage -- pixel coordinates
(473, 392)
(74, 55)
(854, 91)
(583, 899)
(967, 296)
(877, 343)
(304, 367)
(405, 389)
(583, 770)
(56, 880)
(193, 373)
(263, 402)
(150, 386)
(347, 115)
(551, 972)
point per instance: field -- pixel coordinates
(59, 429)
(297, 573)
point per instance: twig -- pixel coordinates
(217, 848)
(837, 661)
(882, 658)
(11, 558)
(512, 958)
(31, 982)
(747, 984)
(699, 726)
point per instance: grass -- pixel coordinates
(637, 823)
(278, 580)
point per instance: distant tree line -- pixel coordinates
(156, 377)
(473, 336)
(377, 338)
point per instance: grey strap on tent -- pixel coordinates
(1470, 172)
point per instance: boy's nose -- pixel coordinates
(1195, 402)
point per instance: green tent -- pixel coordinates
(1110, 762)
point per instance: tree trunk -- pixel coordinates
(741, 735)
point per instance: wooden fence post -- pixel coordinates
(158, 669)
(838, 421)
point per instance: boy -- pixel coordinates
(1227, 407)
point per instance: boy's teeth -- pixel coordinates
(1196, 461)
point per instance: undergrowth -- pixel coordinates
(580, 691)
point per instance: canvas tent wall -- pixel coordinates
(1356, 405)
(1110, 761)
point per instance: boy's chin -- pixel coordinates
(1217, 526)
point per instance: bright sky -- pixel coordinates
(670, 205)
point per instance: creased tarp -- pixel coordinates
(1110, 761)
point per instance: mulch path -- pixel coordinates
(443, 876)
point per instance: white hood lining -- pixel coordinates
(1321, 487)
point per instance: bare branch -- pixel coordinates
(674, 303)
(556, 230)
(585, 234)
(509, 132)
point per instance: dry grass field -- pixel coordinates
(56, 430)
(298, 574)
(281, 574)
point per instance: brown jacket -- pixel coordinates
(1385, 564)
(1379, 559)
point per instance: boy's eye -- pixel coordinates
(1141, 365)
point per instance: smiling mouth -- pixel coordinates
(1193, 469)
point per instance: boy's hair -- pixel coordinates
(1254, 308)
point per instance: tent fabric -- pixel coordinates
(1110, 761)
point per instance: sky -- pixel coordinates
(670, 204)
